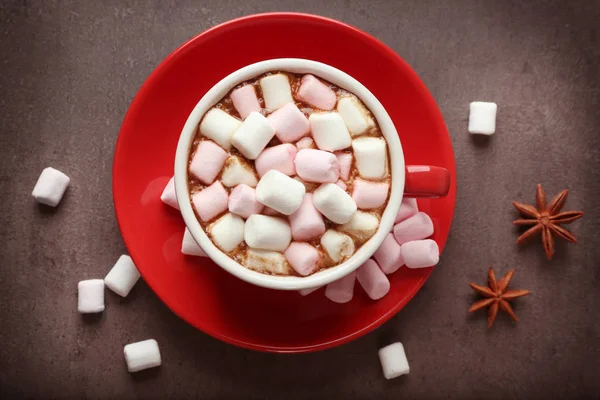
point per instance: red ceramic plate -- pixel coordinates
(195, 288)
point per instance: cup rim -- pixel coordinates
(337, 77)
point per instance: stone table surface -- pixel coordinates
(70, 69)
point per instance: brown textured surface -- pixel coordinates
(68, 72)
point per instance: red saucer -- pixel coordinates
(196, 289)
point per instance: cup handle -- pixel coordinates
(426, 181)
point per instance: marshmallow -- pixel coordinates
(208, 161)
(227, 232)
(345, 161)
(211, 201)
(269, 211)
(90, 296)
(393, 361)
(482, 117)
(369, 195)
(334, 203)
(329, 131)
(289, 122)
(305, 143)
(371, 157)
(361, 226)
(264, 261)
(338, 246)
(50, 187)
(280, 192)
(276, 91)
(417, 227)
(238, 172)
(304, 258)
(342, 290)
(219, 126)
(341, 184)
(244, 100)
(142, 355)
(309, 186)
(306, 222)
(122, 277)
(420, 253)
(267, 233)
(242, 201)
(388, 255)
(408, 208)
(317, 166)
(279, 157)
(189, 246)
(373, 280)
(316, 93)
(306, 292)
(354, 115)
(168, 195)
(253, 135)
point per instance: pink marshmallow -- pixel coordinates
(316, 93)
(368, 195)
(304, 258)
(208, 161)
(388, 255)
(168, 195)
(341, 184)
(289, 122)
(242, 201)
(270, 212)
(305, 143)
(408, 208)
(245, 101)
(417, 227)
(373, 280)
(420, 253)
(317, 166)
(342, 290)
(306, 222)
(280, 157)
(345, 160)
(211, 201)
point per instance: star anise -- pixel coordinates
(546, 219)
(497, 296)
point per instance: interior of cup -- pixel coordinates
(337, 77)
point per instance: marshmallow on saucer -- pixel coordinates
(361, 226)
(189, 247)
(210, 201)
(267, 261)
(417, 227)
(420, 253)
(244, 100)
(238, 172)
(208, 161)
(317, 166)
(50, 187)
(371, 157)
(289, 122)
(306, 222)
(253, 135)
(482, 117)
(338, 246)
(408, 208)
(373, 280)
(227, 232)
(168, 195)
(305, 143)
(276, 91)
(219, 126)
(342, 290)
(280, 157)
(306, 292)
(329, 131)
(280, 192)
(334, 203)
(354, 115)
(242, 201)
(389, 255)
(142, 355)
(316, 93)
(393, 361)
(267, 233)
(90, 296)
(345, 161)
(304, 258)
(122, 277)
(369, 195)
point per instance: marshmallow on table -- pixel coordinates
(306, 222)
(276, 91)
(317, 166)
(168, 195)
(369, 195)
(338, 246)
(227, 232)
(207, 162)
(420, 253)
(408, 208)
(50, 187)
(354, 115)
(304, 258)
(122, 277)
(342, 290)
(304, 143)
(306, 292)
(329, 131)
(417, 227)
(361, 226)
(267, 261)
(237, 172)
(244, 100)
(482, 117)
(280, 192)
(253, 135)
(289, 122)
(210, 201)
(334, 203)
(219, 126)
(389, 255)
(316, 93)
(345, 161)
(371, 157)
(189, 246)
(373, 280)
(280, 157)
(242, 201)
(393, 361)
(142, 355)
(90, 296)
(267, 233)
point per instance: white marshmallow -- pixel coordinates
(122, 277)
(361, 226)
(329, 131)
(276, 91)
(280, 192)
(306, 292)
(354, 115)
(393, 361)
(342, 290)
(189, 246)
(338, 246)
(227, 232)
(334, 203)
(271, 262)
(482, 117)
(142, 355)
(253, 135)
(219, 126)
(50, 187)
(236, 172)
(267, 233)
(168, 195)
(90, 296)
(371, 157)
